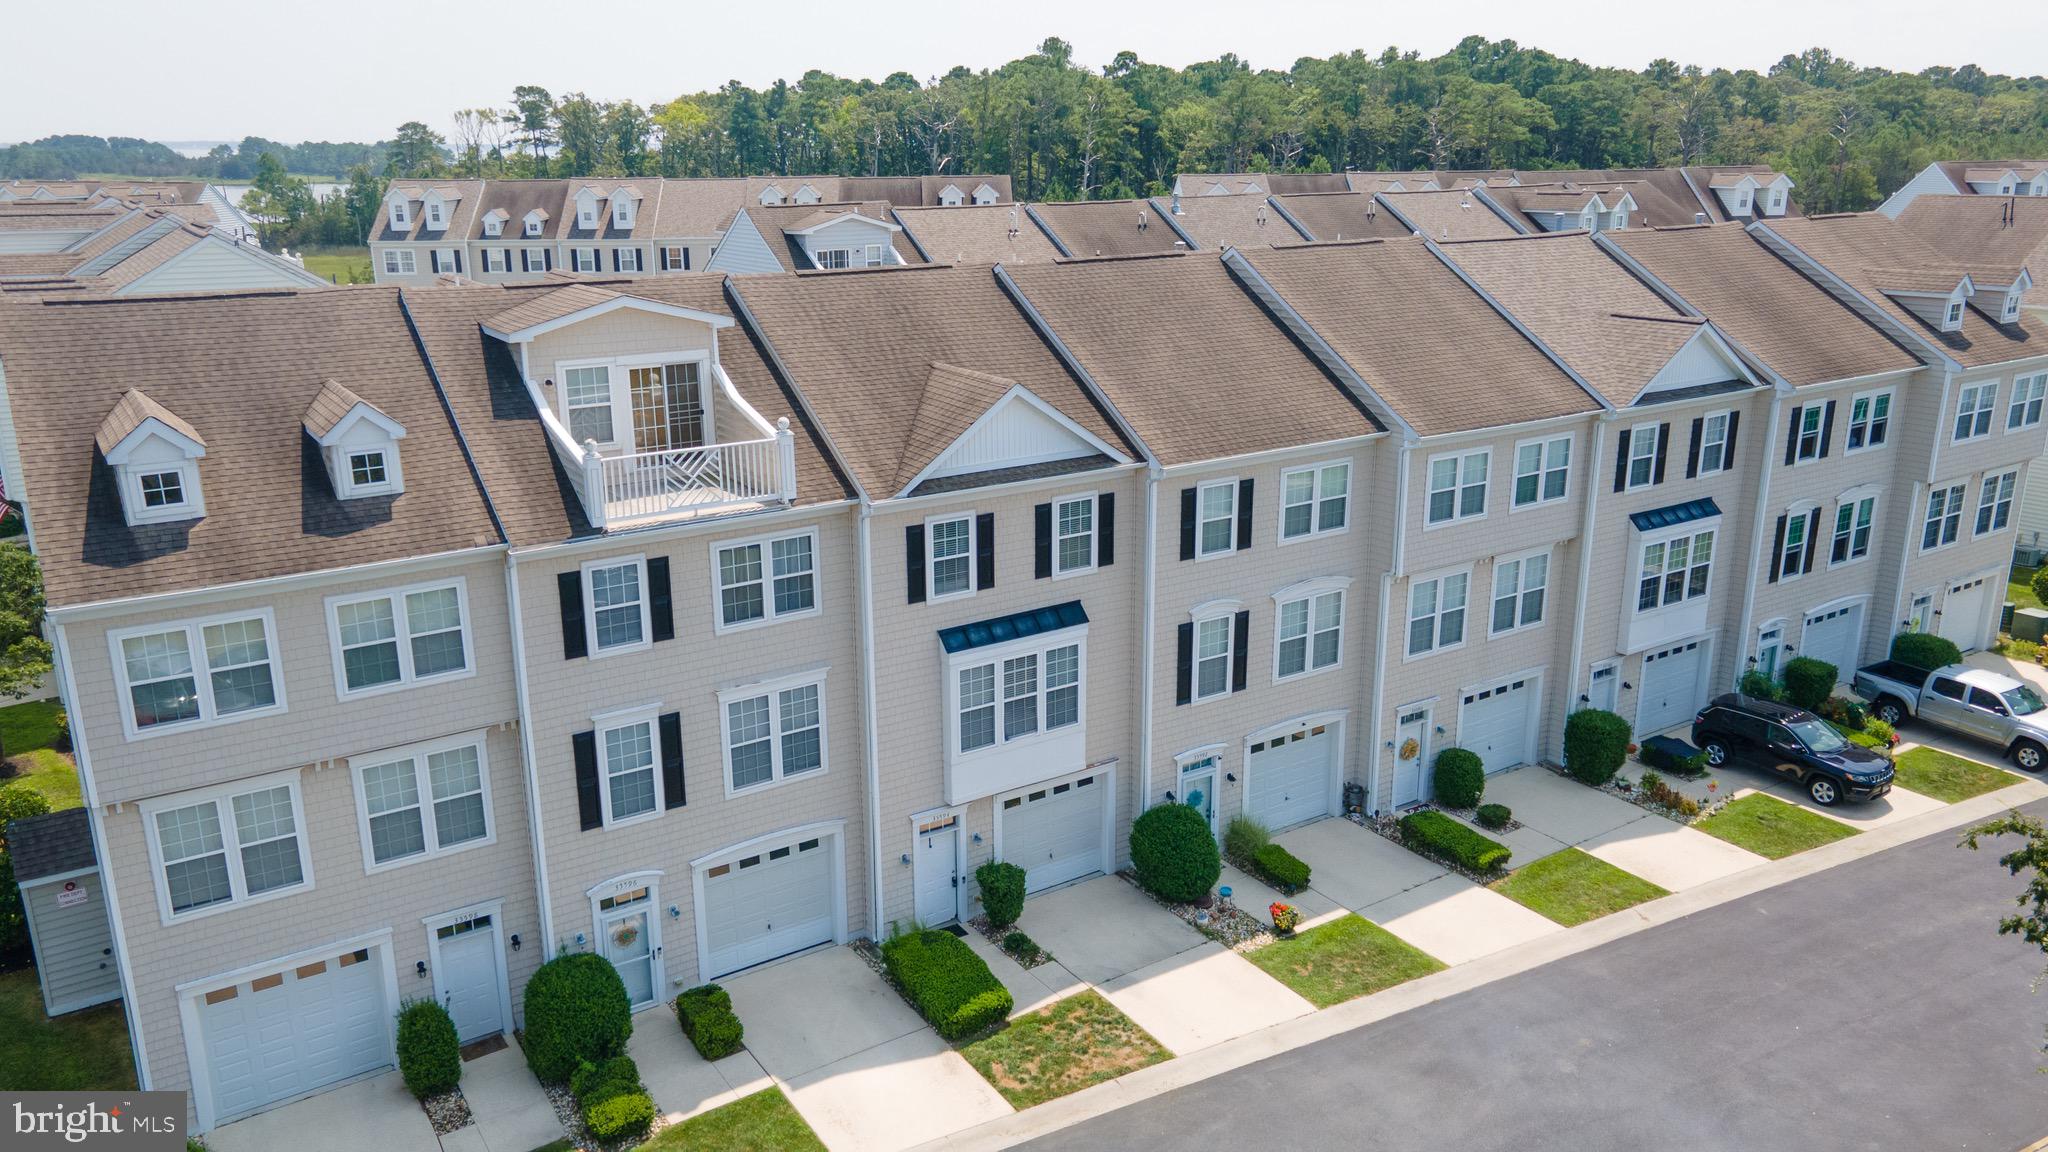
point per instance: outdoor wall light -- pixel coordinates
(1585, 699)
(906, 859)
(1439, 729)
(977, 837)
(1169, 795)
(1627, 685)
(581, 940)
(515, 941)
(675, 913)
(1230, 776)
(420, 966)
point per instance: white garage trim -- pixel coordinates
(1844, 670)
(1106, 772)
(1336, 720)
(1974, 631)
(193, 992)
(1532, 686)
(1702, 678)
(495, 909)
(835, 830)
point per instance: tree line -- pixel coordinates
(69, 157)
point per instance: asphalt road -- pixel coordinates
(1871, 1006)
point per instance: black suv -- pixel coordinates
(1791, 742)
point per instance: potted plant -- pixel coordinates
(1286, 917)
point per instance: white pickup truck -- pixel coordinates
(1973, 701)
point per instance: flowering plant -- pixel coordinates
(1285, 916)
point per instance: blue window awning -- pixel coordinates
(1015, 626)
(1675, 514)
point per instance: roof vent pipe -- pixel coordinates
(1141, 219)
(1176, 203)
(1699, 217)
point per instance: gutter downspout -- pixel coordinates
(1146, 637)
(872, 719)
(1588, 527)
(1395, 569)
(1761, 515)
(533, 824)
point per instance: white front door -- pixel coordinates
(1198, 787)
(1499, 723)
(1770, 650)
(1289, 776)
(779, 899)
(466, 975)
(625, 937)
(1603, 689)
(936, 868)
(1054, 831)
(1836, 637)
(1411, 752)
(291, 1032)
(1962, 612)
(1674, 686)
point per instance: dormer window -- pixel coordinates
(155, 457)
(401, 215)
(535, 220)
(1742, 201)
(162, 489)
(1954, 318)
(1777, 200)
(1620, 219)
(985, 195)
(494, 224)
(951, 196)
(807, 195)
(368, 470)
(358, 442)
(435, 219)
(586, 209)
(771, 195)
(622, 213)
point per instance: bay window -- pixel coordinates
(1677, 569)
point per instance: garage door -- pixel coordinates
(1498, 722)
(1290, 777)
(1962, 613)
(1674, 687)
(292, 1032)
(1835, 636)
(779, 900)
(1054, 831)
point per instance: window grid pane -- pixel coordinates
(753, 753)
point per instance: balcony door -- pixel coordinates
(668, 406)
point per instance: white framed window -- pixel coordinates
(447, 260)
(1714, 444)
(1216, 518)
(165, 489)
(369, 472)
(1870, 419)
(1457, 486)
(2024, 410)
(1215, 641)
(497, 259)
(622, 213)
(1944, 517)
(435, 220)
(586, 212)
(874, 255)
(766, 579)
(398, 262)
(2009, 311)
(833, 257)
(1542, 471)
(423, 801)
(401, 214)
(586, 259)
(773, 731)
(1520, 586)
(536, 259)
(1792, 558)
(1954, 316)
(1315, 500)
(678, 259)
(1308, 630)
(1677, 569)
(195, 673)
(227, 846)
(1018, 694)
(1436, 613)
(628, 259)
(1994, 502)
(587, 395)
(1642, 455)
(1973, 410)
(1811, 420)
(629, 764)
(615, 605)
(949, 556)
(533, 225)
(494, 226)
(1073, 535)
(389, 639)
(1852, 530)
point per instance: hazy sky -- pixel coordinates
(353, 72)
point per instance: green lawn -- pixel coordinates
(763, 1122)
(1772, 828)
(348, 265)
(1932, 772)
(1062, 1048)
(26, 732)
(1343, 960)
(1572, 887)
(2019, 589)
(75, 1051)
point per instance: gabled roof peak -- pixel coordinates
(130, 413)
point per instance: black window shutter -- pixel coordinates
(1792, 437)
(672, 795)
(615, 259)
(1728, 453)
(985, 551)
(664, 259)
(1812, 538)
(1663, 443)
(1041, 520)
(1692, 450)
(1105, 529)
(659, 604)
(547, 259)
(1240, 650)
(586, 780)
(574, 642)
(1621, 460)
(1777, 550)
(913, 560)
(433, 259)
(1187, 523)
(1827, 428)
(458, 261)
(1244, 514)
(1184, 665)
(525, 265)
(686, 259)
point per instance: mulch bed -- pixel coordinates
(995, 935)
(448, 1111)
(1227, 924)
(1613, 787)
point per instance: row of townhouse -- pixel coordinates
(1989, 178)
(414, 636)
(214, 206)
(499, 231)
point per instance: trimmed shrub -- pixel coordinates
(429, 1055)
(947, 983)
(1761, 686)
(1494, 816)
(1881, 731)
(1809, 682)
(1002, 892)
(1174, 853)
(1925, 650)
(1022, 947)
(1243, 837)
(2038, 583)
(1595, 744)
(1281, 868)
(620, 1118)
(1435, 834)
(576, 1010)
(1460, 778)
(706, 1015)
(593, 1084)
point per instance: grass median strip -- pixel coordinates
(1772, 828)
(72, 1052)
(1343, 960)
(1062, 1048)
(1949, 779)
(763, 1122)
(1572, 887)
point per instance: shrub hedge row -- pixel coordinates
(946, 982)
(1927, 650)
(1809, 682)
(614, 1105)
(1280, 868)
(1436, 834)
(708, 1020)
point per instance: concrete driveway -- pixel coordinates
(1354, 866)
(681, 1082)
(1562, 809)
(1455, 920)
(803, 1014)
(1203, 996)
(1103, 928)
(374, 1113)
(1669, 855)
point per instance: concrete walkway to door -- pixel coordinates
(375, 1113)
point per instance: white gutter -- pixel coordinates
(1761, 514)
(664, 531)
(1146, 638)
(873, 720)
(1588, 529)
(99, 608)
(1379, 665)
(1943, 422)
(526, 753)
(1315, 449)
(1899, 590)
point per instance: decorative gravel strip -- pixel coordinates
(1389, 826)
(448, 1111)
(1716, 797)
(995, 936)
(1228, 925)
(1471, 816)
